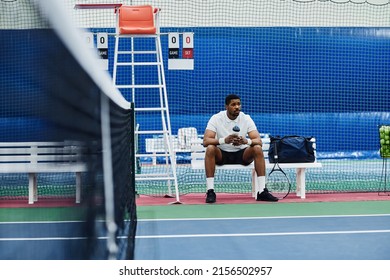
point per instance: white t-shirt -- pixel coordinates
(223, 127)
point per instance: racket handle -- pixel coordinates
(276, 152)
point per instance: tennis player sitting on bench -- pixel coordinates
(226, 143)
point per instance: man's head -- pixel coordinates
(233, 106)
(229, 98)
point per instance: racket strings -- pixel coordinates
(278, 183)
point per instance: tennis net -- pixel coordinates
(53, 91)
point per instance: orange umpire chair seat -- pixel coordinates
(137, 19)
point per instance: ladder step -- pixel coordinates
(152, 132)
(153, 178)
(139, 86)
(161, 153)
(138, 35)
(137, 63)
(161, 174)
(136, 52)
(157, 154)
(158, 109)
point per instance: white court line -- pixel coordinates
(41, 222)
(263, 218)
(205, 219)
(44, 238)
(262, 234)
(206, 235)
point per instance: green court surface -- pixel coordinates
(207, 211)
(42, 214)
(263, 210)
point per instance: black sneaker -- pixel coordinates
(265, 195)
(210, 196)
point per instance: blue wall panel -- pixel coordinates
(332, 83)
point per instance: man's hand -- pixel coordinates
(235, 140)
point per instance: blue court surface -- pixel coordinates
(361, 237)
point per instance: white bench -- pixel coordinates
(180, 143)
(197, 162)
(42, 157)
(156, 147)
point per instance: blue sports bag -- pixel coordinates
(291, 149)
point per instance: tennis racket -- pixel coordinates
(278, 182)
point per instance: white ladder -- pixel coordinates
(136, 56)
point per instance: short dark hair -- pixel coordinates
(230, 97)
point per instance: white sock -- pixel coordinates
(261, 183)
(210, 183)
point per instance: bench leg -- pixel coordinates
(154, 159)
(301, 182)
(78, 187)
(32, 188)
(255, 184)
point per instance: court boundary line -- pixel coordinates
(263, 234)
(209, 235)
(264, 218)
(44, 222)
(205, 219)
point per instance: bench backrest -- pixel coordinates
(40, 152)
(185, 137)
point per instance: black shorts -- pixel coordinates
(232, 158)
